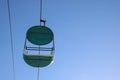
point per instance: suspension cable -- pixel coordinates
(40, 11)
(11, 39)
(38, 74)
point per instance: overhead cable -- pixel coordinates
(11, 39)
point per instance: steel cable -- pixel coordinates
(11, 38)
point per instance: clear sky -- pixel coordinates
(87, 39)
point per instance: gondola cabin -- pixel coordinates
(39, 37)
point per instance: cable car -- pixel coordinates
(39, 41)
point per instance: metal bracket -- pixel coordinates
(43, 21)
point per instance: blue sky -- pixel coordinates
(87, 39)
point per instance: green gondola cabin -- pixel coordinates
(39, 36)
